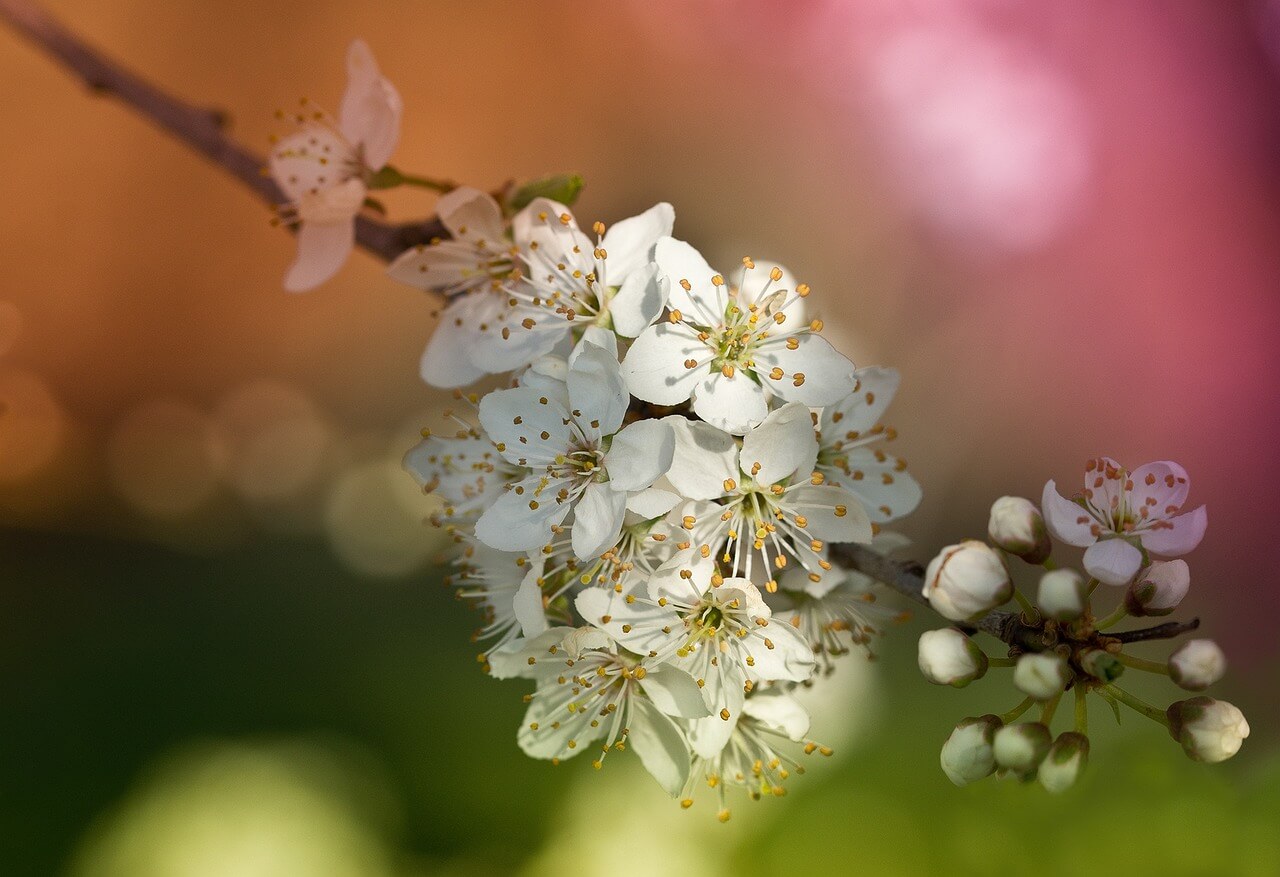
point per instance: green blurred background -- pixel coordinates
(224, 645)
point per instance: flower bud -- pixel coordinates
(948, 657)
(1209, 730)
(1020, 748)
(1017, 526)
(967, 755)
(1197, 664)
(1159, 588)
(1061, 595)
(1065, 762)
(1101, 664)
(1041, 675)
(966, 580)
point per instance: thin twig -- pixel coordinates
(203, 129)
(1168, 630)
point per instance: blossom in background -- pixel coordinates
(465, 470)
(730, 349)
(849, 456)
(324, 168)
(471, 269)
(1123, 514)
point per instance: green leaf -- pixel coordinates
(564, 188)
(1115, 704)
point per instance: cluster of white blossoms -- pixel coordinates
(1126, 521)
(644, 509)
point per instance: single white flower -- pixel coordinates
(568, 281)
(1209, 730)
(1159, 588)
(472, 269)
(730, 349)
(966, 580)
(1061, 595)
(849, 454)
(589, 691)
(968, 756)
(1197, 664)
(324, 168)
(755, 757)
(580, 459)
(1122, 513)
(715, 628)
(759, 506)
(949, 657)
(1064, 763)
(1041, 675)
(1017, 526)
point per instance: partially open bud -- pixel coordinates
(1209, 730)
(1159, 588)
(1101, 664)
(966, 580)
(967, 756)
(1017, 526)
(948, 657)
(1041, 675)
(1061, 595)
(1197, 664)
(1065, 762)
(1021, 747)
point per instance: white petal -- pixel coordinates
(597, 395)
(779, 711)
(674, 692)
(644, 622)
(597, 520)
(629, 243)
(828, 376)
(639, 301)
(1159, 489)
(1176, 536)
(780, 444)
(511, 524)
(371, 107)
(1112, 561)
(512, 660)
(821, 505)
(447, 362)
(733, 404)
(473, 216)
(883, 488)
(653, 502)
(447, 267)
(528, 605)
(862, 409)
(660, 745)
(517, 421)
(640, 454)
(595, 336)
(322, 250)
(529, 225)
(705, 457)
(703, 302)
(790, 658)
(757, 286)
(1067, 522)
(654, 367)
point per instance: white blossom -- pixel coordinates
(730, 348)
(949, 657)
(464, 470)
(966, 580)
(324, 168)
(968, 755)
(1121, 514)
(1209, 730)
(1017, 526)
(1159, 588)
(580, 459)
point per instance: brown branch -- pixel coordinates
(203, 129)
(1168, 630)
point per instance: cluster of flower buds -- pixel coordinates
(1056, 643)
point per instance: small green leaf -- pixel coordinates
(387, 178)
(1115, 704)
(376, 206)
(564, 188)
